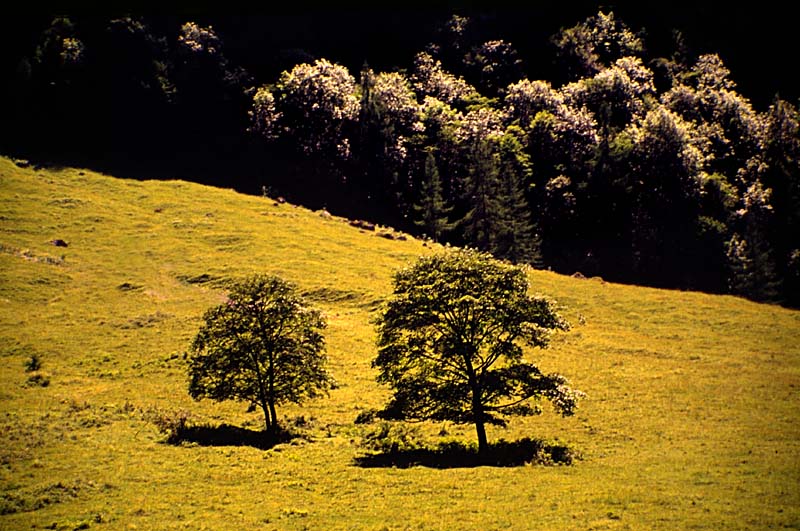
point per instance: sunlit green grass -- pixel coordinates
(691, 420)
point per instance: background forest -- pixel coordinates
(580, 150)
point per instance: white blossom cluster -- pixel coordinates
(431, 79)
(564, 398)
(525, 99)
(264, 116)
(396, 98)
(199, 39)
(480, 124)
(733, 129)
(314, 102)
(72, 50)
(623, 86)
(665, 140)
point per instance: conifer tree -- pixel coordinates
(515, 238)
(481, 196)
(751, 263)
(432, 210)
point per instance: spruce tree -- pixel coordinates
(752, 267)
(432, 211)
(515, 237)
(370, 176)
(481, 197)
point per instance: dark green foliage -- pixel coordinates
(374, 168)
(494, 65)
(400, 448)
(751, 270)
(431, 210)
(666, 200)
(587, 47)
(782, 155)
(752, 266)
(516, 239)
(792, 278)
(263, 346)
(482, 221)
(451, 343)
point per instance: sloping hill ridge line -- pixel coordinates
(690, 420)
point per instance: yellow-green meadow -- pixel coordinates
(690, 421)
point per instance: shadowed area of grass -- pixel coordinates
(459, 455)
(228, 435)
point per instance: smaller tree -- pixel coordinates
(263, 346)
(450, 343)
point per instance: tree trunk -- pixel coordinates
(271, 394)
(477, 408)
(262, 397)
(480, 426)
(483, 444)
(275, 426)
(267, 421)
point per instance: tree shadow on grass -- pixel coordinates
(459, 455)
(227, 435)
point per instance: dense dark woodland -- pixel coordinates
(568, 138)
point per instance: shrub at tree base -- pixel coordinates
(400, 446)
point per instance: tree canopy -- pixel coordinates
(453, 342)
(263, 346)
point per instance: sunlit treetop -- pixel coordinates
(431, 79)
(199, 39)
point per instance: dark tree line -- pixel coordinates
(655, 171)
(126, 94)
(645, 169)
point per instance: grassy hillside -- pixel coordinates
(691, 420)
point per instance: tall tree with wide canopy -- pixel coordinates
(452, 338)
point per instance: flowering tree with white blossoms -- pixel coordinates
(431, 79)
(666, 192)
(315, 104)
(199, 39)
(615, 95)
(595, 43)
